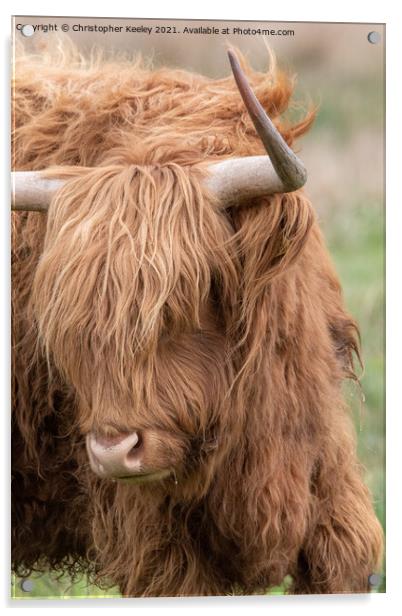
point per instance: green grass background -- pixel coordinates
(343, 153)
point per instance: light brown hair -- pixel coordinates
(140, 303)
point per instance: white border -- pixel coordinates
(388, 12)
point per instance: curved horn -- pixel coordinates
(31, 191)
(235, 180)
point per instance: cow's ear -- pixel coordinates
(346, 339)
(271, 234)
(343, 329)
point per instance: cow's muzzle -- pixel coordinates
(121, 458)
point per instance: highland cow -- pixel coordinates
(180, 340)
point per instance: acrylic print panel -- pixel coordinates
(190, 414)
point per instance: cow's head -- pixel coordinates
(142, 298)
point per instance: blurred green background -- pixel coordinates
(343, 74)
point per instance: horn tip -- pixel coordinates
(232, 58)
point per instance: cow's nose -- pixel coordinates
(116, 456)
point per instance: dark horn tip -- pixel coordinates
(234, 62)
(231, 54)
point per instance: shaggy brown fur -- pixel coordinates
(139, 304)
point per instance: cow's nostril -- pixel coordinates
(136, 448)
